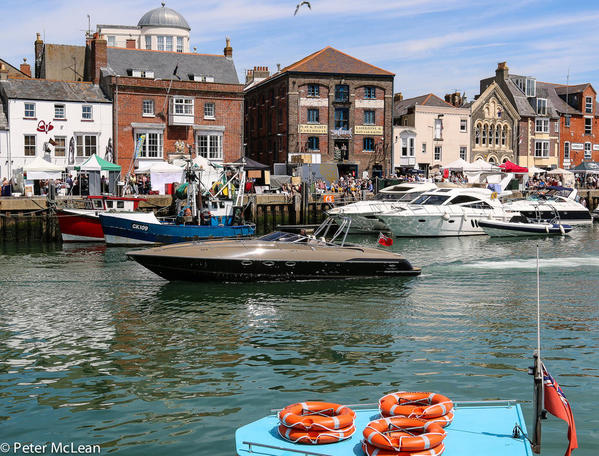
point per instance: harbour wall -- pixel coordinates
(24, 219)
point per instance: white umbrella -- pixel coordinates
(458, 164)
(480, 165)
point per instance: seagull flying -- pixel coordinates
(299, 6)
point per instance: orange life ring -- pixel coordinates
(415, 405)
(403, 434)
(317, 416)
(371, 450)
(315, 437)
(442, 421)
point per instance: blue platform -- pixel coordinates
(479, 430)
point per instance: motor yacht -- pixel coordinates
(546, 203)
(445, 212)
(277, 256)
(363, 213)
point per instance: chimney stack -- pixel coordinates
(228, 51)
(131, 44)
(456, 99)
(99, 57)
(397, 97)
(502, 71)
(39, 54)
(3, 72)
(25, 68)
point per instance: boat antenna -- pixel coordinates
(538, 373)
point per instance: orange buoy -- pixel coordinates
(311, 437)
(324, 416)
(371, 450)
(403, 434)
(415, 405)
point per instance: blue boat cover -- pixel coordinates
(476, 430)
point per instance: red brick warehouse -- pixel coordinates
(173, 98)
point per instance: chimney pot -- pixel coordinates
(228, 51)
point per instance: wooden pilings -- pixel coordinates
(25, 227)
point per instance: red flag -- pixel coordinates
(557, 404)
(385, 240)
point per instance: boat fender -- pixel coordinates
(445, 216)
(547, 228)
(561, 229)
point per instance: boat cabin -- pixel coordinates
(112, 203)
(449, 197)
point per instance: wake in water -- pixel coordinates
(531, 263)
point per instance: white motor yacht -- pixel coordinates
(445, 212)
(550, 203)
(363, 213)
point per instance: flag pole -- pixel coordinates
(538, 373)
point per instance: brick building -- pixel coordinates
(579, 127)
(180, 102)
(328, 108)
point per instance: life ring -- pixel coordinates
(403, 434)
(371, 450)
(315, 437)
(317, 416)
(443, 421)
(415, 405)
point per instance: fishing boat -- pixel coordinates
(411, 423)
(445, 212)
(522, 226)
(363, 213)
(218, 215)
(278, 256)
(83, 225)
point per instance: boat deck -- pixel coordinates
(477, 429)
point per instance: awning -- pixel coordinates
(95, 163)
(587, 168)
(456, 165)
(39, 168)
(510, 167)
(250, 164)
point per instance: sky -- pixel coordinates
(437, 46)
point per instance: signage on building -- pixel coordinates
(341, 133)
(577, 146)
(368, 130)
(595, 146)
(44, 127)
(313, 129)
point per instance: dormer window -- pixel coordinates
(542, 106)
(588, 105)
(201, 78)
(531, 87)
(142, 74)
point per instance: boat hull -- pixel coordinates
(79, 226)
(433, 225)
(497, 228)
(239, 270)
(135, 230)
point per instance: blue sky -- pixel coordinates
(431, 45)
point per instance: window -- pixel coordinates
(30, 110)
(567, 121)
(567, 150)
(411, 146)
(111, 40)
(209, 111)
(503, 135)
(368, 144)
(152, 145)
(87, 145)
(542, 126)
(438, 128)
(342, 93)
(179, 44)
(342, 118)
(542, 149)
(169, 44)
(148, 108)
(313, 90)
(588, 105)
(404, 147)
(556, 126)
(477, 134)
(438, 151)
(313, 116)
(313, 143)
(210, 146)
(142, 74)
(160, 43)
(148, 42)
(183, 106)
(485, 130)
(30, 145)
(424, 148)
(370, 93)
(497, 134)
(463, 152)
(531, 87)
(59, 111)
(368, 117)
(60, 146)
(542, 106)
(280, 115)
(463, 124)
(87, 112)
(587, 150)
(588, 125)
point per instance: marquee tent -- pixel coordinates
(510, 167)
(92, 166)
(586, 168)
(162, 173)
(39, 168)
(457, 165)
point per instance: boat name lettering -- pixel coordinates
(137, 226)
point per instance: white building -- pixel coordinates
(63, 122)
(429, 133)
(161, 29)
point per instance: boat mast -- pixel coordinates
(538, 374)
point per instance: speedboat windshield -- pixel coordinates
(431, 200)
(281, 236)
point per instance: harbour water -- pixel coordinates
(94, 349)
